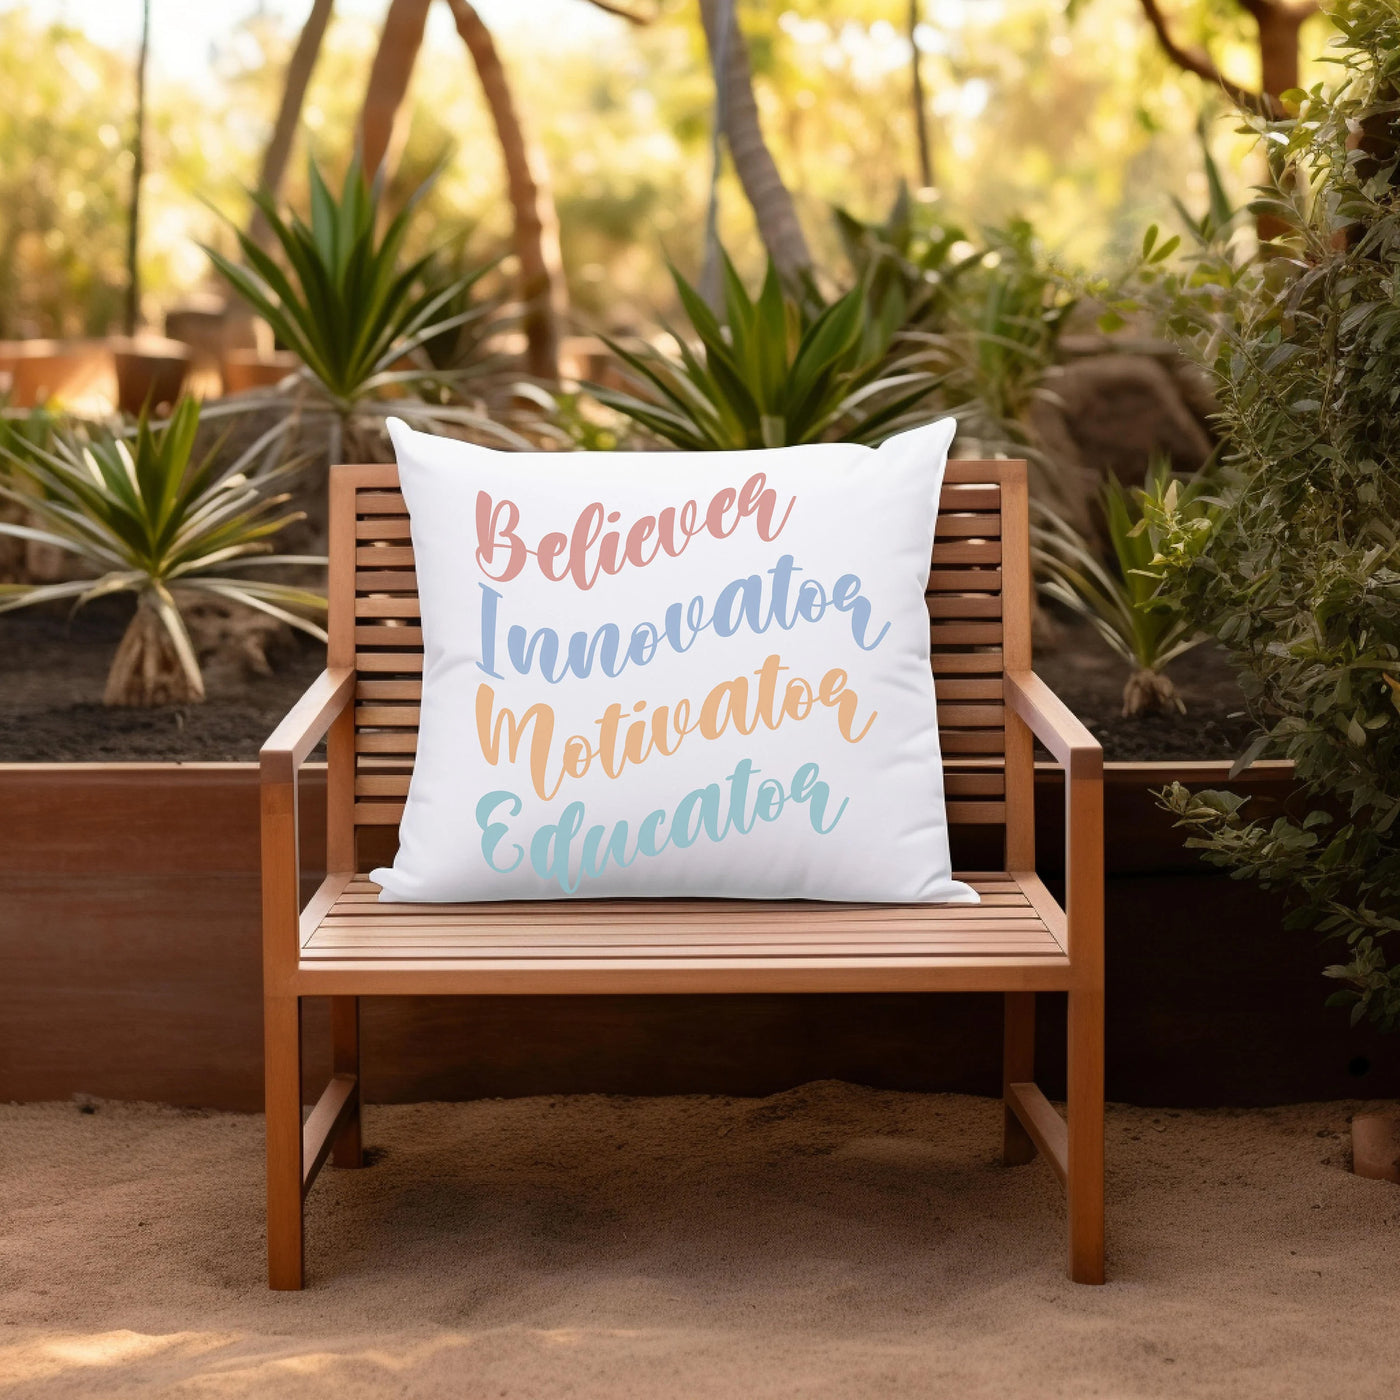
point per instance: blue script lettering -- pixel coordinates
(758, 603)
(557, 853)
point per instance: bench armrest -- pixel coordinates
(1054, 724)
(281, 757)
(1081, 756)
(305, 724)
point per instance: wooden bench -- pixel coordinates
(344, 944)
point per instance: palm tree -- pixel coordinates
(138, 166)
(543, 294)
(737, 117)
(279, 146)
(916, 81)
(1278, 23)
(399, 42)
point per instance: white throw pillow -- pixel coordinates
(701, 674)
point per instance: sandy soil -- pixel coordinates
(830, 1241)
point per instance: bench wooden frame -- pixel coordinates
(1020, 941)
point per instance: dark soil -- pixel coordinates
(53, 667)
(1089, 678)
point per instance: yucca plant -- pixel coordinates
(361, 317)
(149, 518)
(773, 371)
(1118, 598)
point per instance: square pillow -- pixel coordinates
(698, 674)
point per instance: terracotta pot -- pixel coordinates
(150, 369)
(1375, 1145)
(42, 370)
(247, 369)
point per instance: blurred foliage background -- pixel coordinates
(1064, 113)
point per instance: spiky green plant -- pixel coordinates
(149, 518)
(988, 306)
(771, 372)
(360, 316)
(1118, 597)
(471, 315)
(911, 253)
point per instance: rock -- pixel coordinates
(1121, 410)
(1059, 476)
(1375, 1145)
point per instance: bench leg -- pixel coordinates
(282, 1058)
(1017, 1067)
(345, 1059)
(1085, 1112)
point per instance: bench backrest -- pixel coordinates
(979, 604)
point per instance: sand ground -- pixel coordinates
(827, 1242)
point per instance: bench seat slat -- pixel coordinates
(356, 905)
(889, 953)
(659, 929)
(356, 929)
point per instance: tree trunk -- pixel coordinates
(1278, 23)
(1278, 45)
(543, 291)
(138, 168)
(279, 146)
(399, 42)
(1278, 71)
(772, 204)
(146, 669)
(920, 107)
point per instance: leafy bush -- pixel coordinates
(148, 519)
(1299, 574)
(1118, 598)
(365, 324)
(775, 371)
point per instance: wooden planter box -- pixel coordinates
(130, 968)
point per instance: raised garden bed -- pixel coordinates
(130, 967)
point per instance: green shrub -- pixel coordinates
(148, 518)
(1299, 574)
(911, 254)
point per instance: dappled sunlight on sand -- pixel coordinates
(43, 1357)
(832, 1243)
